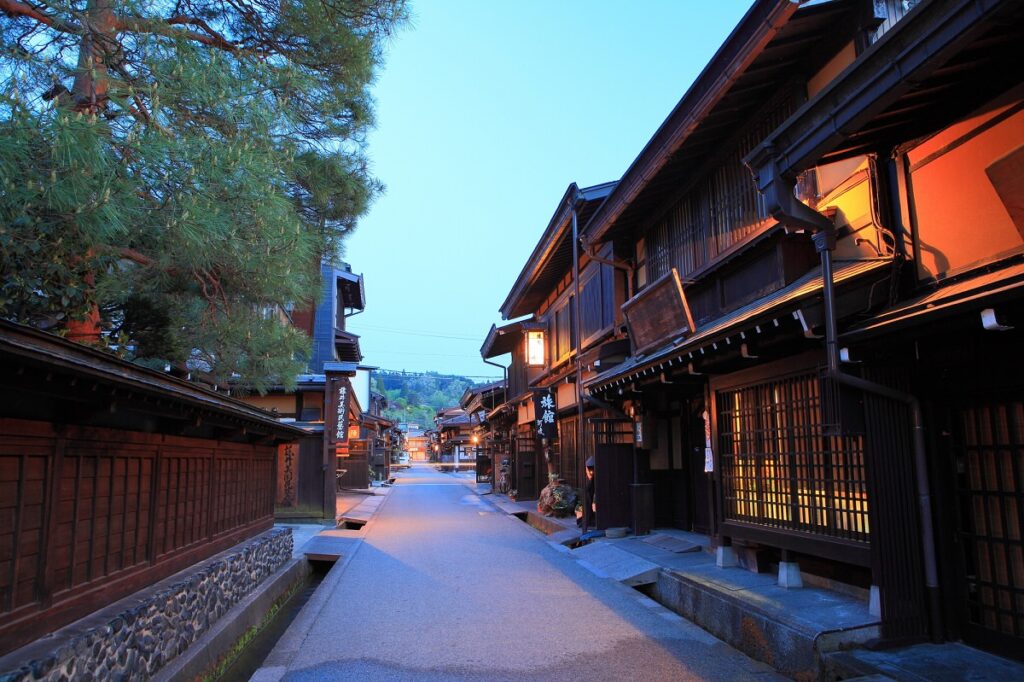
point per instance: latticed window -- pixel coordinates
(721, 209)
(990, 481)
(780, 470)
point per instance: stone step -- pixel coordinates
(607, 561)
(745, 615)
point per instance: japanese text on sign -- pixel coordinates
(341, 421)
(544, 409)
(709, 455)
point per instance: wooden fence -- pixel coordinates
(90, 514)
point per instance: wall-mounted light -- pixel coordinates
(535, 348)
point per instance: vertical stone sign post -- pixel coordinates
(337, 396)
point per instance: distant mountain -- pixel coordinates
(417, 396)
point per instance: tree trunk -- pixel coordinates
(88, 96)
(89, 92)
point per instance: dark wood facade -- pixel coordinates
(113, 477)
(915, 208)
(575, 300)
(94, 514)
(310, 475)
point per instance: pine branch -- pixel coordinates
(15, 9)
(165, 27)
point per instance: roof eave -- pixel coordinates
(541, 252)
(757, 27)
(878, 78)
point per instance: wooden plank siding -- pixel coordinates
(89, 515)
(719, 210)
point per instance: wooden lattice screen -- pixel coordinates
(990, 469)
(780, 471)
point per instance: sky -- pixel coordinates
(486, 111)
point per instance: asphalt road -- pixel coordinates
(445, 587)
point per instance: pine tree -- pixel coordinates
(182, 168)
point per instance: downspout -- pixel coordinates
(580, 431)
(783, 205)
(504, 388)
(504, 374)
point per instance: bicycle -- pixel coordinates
(503, 483)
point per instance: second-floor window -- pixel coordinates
(597, 300)
(562, 325)
(720, 210)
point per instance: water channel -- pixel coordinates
(249, 660)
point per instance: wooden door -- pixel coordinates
(527, 482)
(698, 481)
(989, 470)
(613, 474)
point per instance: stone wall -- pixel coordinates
(134, 638)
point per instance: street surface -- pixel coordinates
(445, 587)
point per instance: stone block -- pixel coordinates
(725, 557)
(789, 575)
(159, 622)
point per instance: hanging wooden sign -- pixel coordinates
(658, 314)
(544, 409)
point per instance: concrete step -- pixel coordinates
(608, 561)
(331, 545)
(787, 629)
(932, 662)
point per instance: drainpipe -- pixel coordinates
(504, 378)
(504, 374)
(783, 205)
(580, 431)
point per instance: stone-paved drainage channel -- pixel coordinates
(246, 660)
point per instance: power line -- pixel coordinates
(391, 373)
(378, 351)
(405, 332)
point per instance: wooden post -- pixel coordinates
(46, 543)
(154, 495)
(211, 494)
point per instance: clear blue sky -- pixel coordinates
(486, 111)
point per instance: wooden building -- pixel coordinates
(311, 475)
(113, 477)
(822, 368)
(937, 106)
(479, 402)
(417, 442)
(455, 437)
(571, 301)
(512, 421)
(386, 439)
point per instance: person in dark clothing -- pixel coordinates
(590, 507)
